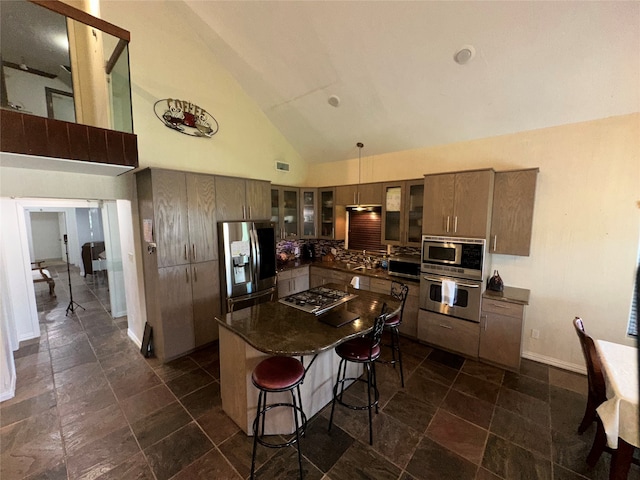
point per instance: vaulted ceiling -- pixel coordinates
(391, 64)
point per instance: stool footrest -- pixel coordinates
(366, 406)
(300, 431)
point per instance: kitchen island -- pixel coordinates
(249, 335)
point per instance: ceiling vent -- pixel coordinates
(282, 166)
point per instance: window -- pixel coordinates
(365, 229)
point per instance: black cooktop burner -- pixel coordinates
(317, 300)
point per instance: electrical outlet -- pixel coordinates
(535, 333)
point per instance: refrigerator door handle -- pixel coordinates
(256, 256)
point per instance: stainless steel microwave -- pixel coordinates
(453, 256)
(406, 267)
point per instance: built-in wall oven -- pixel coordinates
(451, 276)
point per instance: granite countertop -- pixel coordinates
(510, 295)
(278, 329)
(348, 267)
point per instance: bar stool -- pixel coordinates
(364, 350)
(399, 291)
(272, 375)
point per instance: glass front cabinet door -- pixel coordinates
(308, 208)
(402, 213)
(284, 212)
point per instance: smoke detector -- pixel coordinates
(464, 55)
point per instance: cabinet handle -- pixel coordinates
(486, 320)
(185, 252)
(354, 198)
(495, 242)
(186, 274)
(195, 274)
(497, 305)
(447, 223)
(244, 212)
(250, 214)
(446, 326)
(455, 224)
(193, 247)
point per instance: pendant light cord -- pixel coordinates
(359, 145)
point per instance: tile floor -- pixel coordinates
(89, 406)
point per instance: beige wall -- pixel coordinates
(586, 221)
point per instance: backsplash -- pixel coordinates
(293, 249)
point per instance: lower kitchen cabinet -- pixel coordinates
(450, 333)
(189, 299)
(501, 333)
(293, 281)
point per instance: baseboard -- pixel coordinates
(536, 357)
(133, 337)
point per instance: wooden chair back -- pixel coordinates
(595, 377)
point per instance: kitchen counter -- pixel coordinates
(516, 295)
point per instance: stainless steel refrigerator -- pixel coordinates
(247, 262)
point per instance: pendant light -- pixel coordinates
(359, 207)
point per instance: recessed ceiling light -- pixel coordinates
(334, 100)
(464, 55)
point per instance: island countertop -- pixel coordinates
(277, 329)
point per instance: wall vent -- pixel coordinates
(282, 166)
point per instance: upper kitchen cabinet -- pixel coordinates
(179, 215)
(242, 199)
(402, 212)
(511, 222)
(361, 194)
(308, 215)
(458, 204)
(284, 211)
(65, 94)
(332, 216)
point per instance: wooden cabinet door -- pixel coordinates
(438, 204)
(170, 231)
(230, 198)
(472, 206)
(203, 236)
(500, 339)
(392, 213)
(176, 307)
(258, 200)
(346, 195)
(512, 218)
(205, 287)
(369, 194)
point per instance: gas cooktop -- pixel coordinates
(317, 300)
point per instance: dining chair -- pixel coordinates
(595, 378)
(364, 350)
(399, 291)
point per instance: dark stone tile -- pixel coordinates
(29, 429)
(203, 400)
(432, 460)
(81, 386)
(39, 358)
(393, 439)
(573, 381)
(217, 425)
(425, 389)
(483, 371)
(111, 343)
(70, 375)
(484, 474)
(458, 435)
(526, 385)
(511, 461)
(536, 370)
(67, 338)
(72, 355)
(354, 422)
(524, 405)
(570, 451)
(173, 453)
(362, 461)
(189, 382)
(92, 427)
(43, 453)
(207, 355)
(477, 387)
(213, 465)
(238, 450)
(567, 409)
(416, 349)
(324, 447)
(129, 381)
(145, 403)
(213, 369)
(11, 413)
(446, 358)
(175, 368)
(410, 410)
(85, 404)
(102, 455)
(521, 431)
(133, 468)
(560, 473)
(470, 408)
(26, 350)
(58, 472)
(160, 424)
(284, 464)
(438, 372)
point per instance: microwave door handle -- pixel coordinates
(439, 280)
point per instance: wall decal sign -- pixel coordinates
(186, 117)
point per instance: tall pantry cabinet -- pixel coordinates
(178, 225)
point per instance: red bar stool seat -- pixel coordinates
(278, 374)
